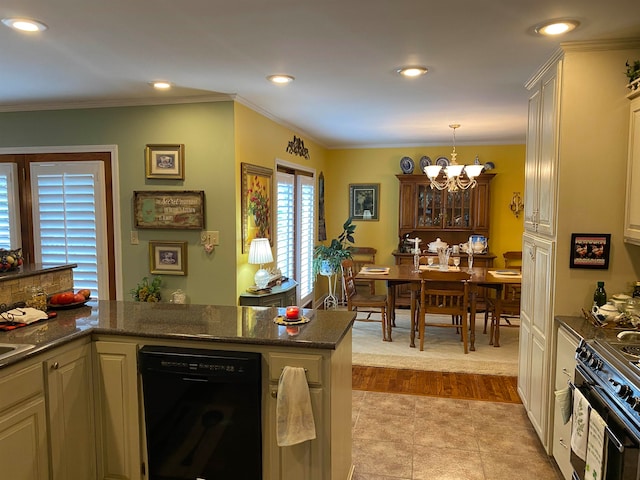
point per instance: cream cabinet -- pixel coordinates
(70, 412)
(566, 345)
(117, 411)
(632, 207)
(23, 424)
(536, 320)
(328, 457)
(540, 193)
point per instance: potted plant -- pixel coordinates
(327, 258)
(147, 291)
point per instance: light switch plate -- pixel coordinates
(134, 237)
(212, 237)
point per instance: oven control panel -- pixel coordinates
(609, 379)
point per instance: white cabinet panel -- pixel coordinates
(632, 211)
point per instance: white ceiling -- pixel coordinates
(343, 54)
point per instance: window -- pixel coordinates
(295, 208)
(70, 220)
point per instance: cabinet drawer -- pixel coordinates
(565, 358)
(21, 385)
(311, 363)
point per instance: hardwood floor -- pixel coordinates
(491, 388)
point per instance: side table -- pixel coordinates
(281, 295)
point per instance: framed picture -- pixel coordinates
(168, 258)
(257, 187)
(169, 209)
(165, 161)
(590, 250)
(364, 201)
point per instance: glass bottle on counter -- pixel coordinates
(600, 295)
(636, 291)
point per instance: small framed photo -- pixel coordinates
(590, 250)
(364, 201)
(168, 258)
(165, 161)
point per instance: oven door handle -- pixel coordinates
(618, 444)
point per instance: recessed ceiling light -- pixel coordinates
(556, 27)
(280, 79)
(414, 71)
(24, 24)
(161, 85)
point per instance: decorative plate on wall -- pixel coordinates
(424, 162)
(407, 165)
(442, 161)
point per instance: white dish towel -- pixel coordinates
(596, 453)
(294, 415)
(580, 425)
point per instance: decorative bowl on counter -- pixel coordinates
(10, 259)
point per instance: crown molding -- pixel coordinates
(130, 102)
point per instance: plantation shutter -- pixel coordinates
(285, 224)
(69, 210)
(307, 204)
(9, 207)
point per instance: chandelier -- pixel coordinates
(456, 177)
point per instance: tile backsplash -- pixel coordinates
(18, 289)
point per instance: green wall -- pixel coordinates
(206, 129)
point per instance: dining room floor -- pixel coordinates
(414, 437)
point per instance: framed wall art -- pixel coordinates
(364, 201)
(590, 250)
(168, 209)
(165, 161)
(168, 258)
(257, 188)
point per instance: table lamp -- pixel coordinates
(259, 254)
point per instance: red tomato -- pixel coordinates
(54, 299)
(66, 298)
(78, 298)
(86, 293)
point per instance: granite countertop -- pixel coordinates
(207, 323)
(29, 270)
(583, 328)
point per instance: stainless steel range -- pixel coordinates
(608, 375)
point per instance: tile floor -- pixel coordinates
(409, 437)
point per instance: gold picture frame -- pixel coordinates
(167, 258)
(165, 161)
(257, 188)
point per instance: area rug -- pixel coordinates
(442, 352)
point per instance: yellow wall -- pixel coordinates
(381, 165)
(260, 141)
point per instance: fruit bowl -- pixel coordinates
(10, 260)
(66, 306)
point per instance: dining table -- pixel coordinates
(488, 277)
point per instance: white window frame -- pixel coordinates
(115, 185)
(10, 171)
(303, 298)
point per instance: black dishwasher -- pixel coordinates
(202, 410)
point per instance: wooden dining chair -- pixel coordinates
(362, 256)
(502, 309)
(511, 293)
(443, 293)
(357, 301)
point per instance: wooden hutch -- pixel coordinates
(451, 216)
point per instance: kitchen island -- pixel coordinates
(89, 356)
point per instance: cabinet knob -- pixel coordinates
(55, 366)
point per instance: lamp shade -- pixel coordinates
(260, 251)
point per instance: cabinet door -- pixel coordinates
(23, 442)
(407, 206)
(546, 183)
(632, 209)
(531, 164)
(536, 318)
(117, 419)
(71, 414)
